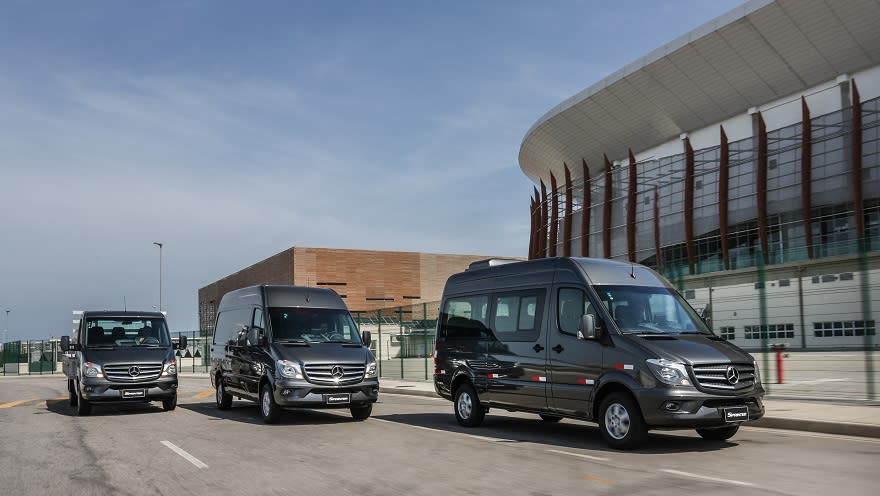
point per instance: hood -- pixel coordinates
(128, 355)
(693, 348)
(321, 353)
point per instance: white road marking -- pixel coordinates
(588, 457)
(704, 477)
(481, 438)
(813, 381)
(818, 435)
(195, 461)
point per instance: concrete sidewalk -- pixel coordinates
(847, 419)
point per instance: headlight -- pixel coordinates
(92, 370)
(170, 368)
(757, 373)
(289, 369)
(370, 372)
(669, 372)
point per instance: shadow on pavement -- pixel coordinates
(62, 407)
(249, 413)
(565, 434)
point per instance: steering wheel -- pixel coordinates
(150, 340)
(336, 337)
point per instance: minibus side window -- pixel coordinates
(573, 303)
(518, 315)
(465, 318)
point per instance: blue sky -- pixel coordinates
(231, 131)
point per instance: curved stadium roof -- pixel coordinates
(754, 54)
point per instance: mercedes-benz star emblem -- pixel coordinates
(732, 375)
(134, 371)
(337, 372)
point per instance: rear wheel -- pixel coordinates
(169, 404)
(720, 434)
(83, 407)
(362, 412)
(550, 418)
(620, 421)
(468, 410)
(71, 392)
(223, 399)
(268, 408)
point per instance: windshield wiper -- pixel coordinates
(292, 341)
(101, 347)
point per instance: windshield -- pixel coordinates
(121, 332)
(313, 325)
(641, 310)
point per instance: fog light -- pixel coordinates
(88, 389)
(671, 406)
(285, 392)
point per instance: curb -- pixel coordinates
(407, 391)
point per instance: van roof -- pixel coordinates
(596, 271)
(121, 313)
(284, 296)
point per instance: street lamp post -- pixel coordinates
(6, 328)
(160, 273)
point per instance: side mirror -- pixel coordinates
(587, 327)
(181, 345)
(260, 335)
(65, 343)
(367, 338)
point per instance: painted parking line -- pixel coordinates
(707, 478)
(204, 394)
(586, 457)
(472, 436)
(186, 456)
(16, 403)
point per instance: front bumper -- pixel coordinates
(97, 390)
(303, 394)
(694, 409)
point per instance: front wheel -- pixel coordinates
(362, 412)
(169, 404)
(223, 399)
(468, 410)
(270, 410)
(620, 422)
(720, 434)
(71, 392)
(83, 407)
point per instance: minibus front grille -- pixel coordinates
(132, 372)
(725, 376)
(335, 373)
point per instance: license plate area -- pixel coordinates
(735, 414)
(337, 399)
(133, 393)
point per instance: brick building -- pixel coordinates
(366, 279)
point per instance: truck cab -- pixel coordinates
(120, 356)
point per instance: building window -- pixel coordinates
(843, 328)
(728, 333)
(773, 331)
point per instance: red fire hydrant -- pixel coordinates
(779, 349)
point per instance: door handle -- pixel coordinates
(538, 348)
(558, 348)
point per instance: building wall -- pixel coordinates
(367, 280)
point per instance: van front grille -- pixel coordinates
(335, 373)
(132, 372)
(725, 376)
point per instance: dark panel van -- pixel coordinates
(291, 347)
(589, 339)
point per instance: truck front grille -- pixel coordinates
(132, 372)
(335, 373)
(725, 376)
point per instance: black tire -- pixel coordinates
(83, 407)
(361, 412)
(620, 422)
(719, 434)
(169, 404)
(71, 392)
(223, 399)
(550, 418)
(468, 410)
(269, 410)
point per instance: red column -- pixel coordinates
(723, 194)
(542, 238)
(554, 216)
(566, 222)
(657, 254)
(631, 209)
(857, 162)
(606, 233)
(807, 174)
(689, 203)
(763, 230)
(585, 212)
